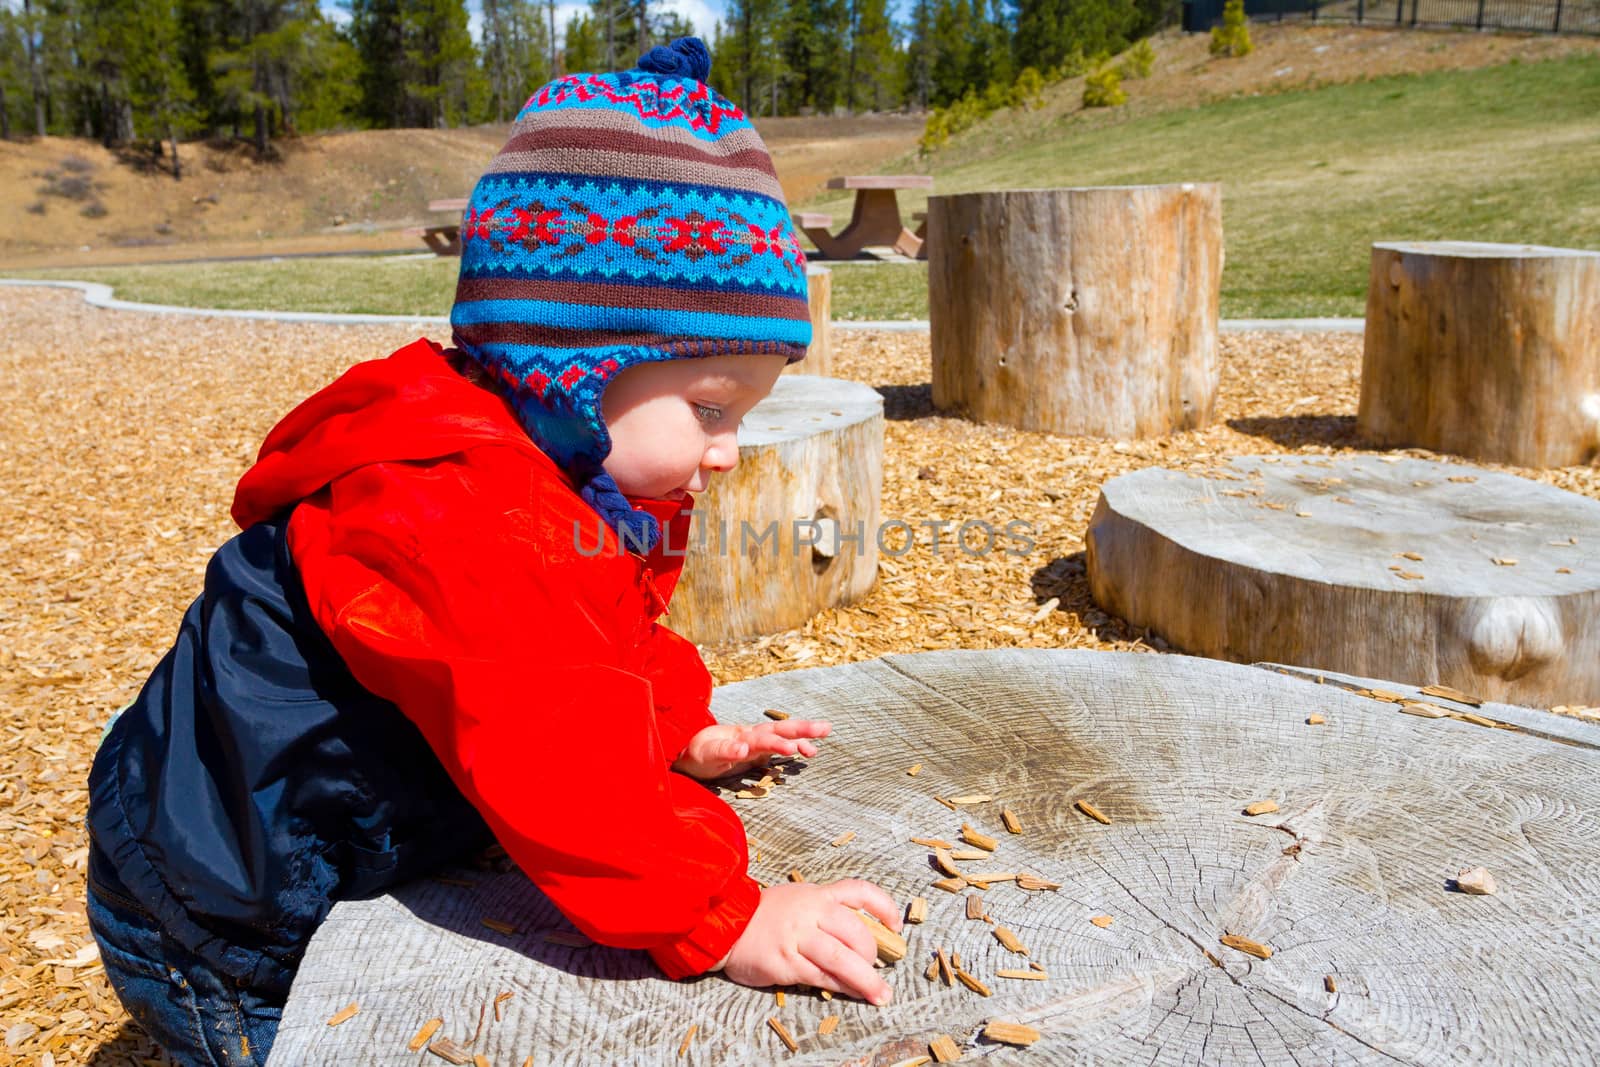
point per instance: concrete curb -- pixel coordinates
(102, 296)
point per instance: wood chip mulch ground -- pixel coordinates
(121, 438)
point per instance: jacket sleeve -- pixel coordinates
(441, 600)
(681, 686)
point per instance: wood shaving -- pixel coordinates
(783, 1033)
(775, 714)
(1023, 976)
(975, 909)
(1423, 710)
(688, 1038)
(973, 837)
(944, 1050)
(844, 839)
(1445, 692)
(777, 997)
(1102, 921)
(972, 983)
(428, 1029)
(1009, 940)
(498, 1001)
(1093, 812)
(1033, 883)
(917, 910)
(914, 770)
(968, 854)
(1315, 720)
(1244, 944)
(450, 1052)
(931, 842)
(1010, 1033)
(951, 885)
(345, 1014)
(1013, 824)
(1261, 807)
(828, 1025)
(1477, 882)
(1329, 984)
(972, 798)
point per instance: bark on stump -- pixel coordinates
(774, 540)
(1348, 881)
(819, 294)
(1484, 350)
(1311, 561)
(1077, 311)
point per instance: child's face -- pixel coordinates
(673, 423)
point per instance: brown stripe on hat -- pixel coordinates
(528, 333)
(753, 157)
(614, 295)
(554, 124)
(604, 163)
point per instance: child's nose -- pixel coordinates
(722, 452)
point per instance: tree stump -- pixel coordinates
(1077, 311)
(792, 530)
(819, 294)
(1375, 957)
(1412, 570)
(1484, 350)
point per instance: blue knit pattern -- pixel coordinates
(571, 274)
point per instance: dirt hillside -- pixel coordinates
(71, 202)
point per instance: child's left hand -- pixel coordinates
(724, 749)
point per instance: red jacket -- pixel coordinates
(456, 572)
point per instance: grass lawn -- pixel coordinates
(1310, 177)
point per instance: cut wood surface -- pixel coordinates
(1380, 811)
(819, 294)
(1077, 311)
(776, 539)
(1485, 350)
(1412, 570)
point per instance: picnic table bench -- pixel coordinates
(874, 220)
(444, 240)
(1348, 884)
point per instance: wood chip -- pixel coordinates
(827, 994)
(1410, 576)
(946, 972)
(967, 854)
(932, 972)
(828, 1025)
(1245, 945)
(688, 1037)
(1413, 556)
(915, 1061)
(1315, 720)
(972, 983)
(1463, 478)
(1010, 1033)
(914, 770)
(774, 713)
(1023, 976)
(1425, 711)
(1032, 883)
(891, 946)
(777, 997)
(499, 1000)
(450, 1052)
(480, 1060)
(795, 875)
(844, 839)
(946, 803)
(1009, 940)
(1214, 961)
(932, 842)
(974, 906)
(917, 910)
(570, 938)
(1385, 695)
(1476, 720)
(1328, 983)
(1093, 812)
(944, 1050)
(946, 863)
(499, 926)
(1261, 807)
(951, 885)
(428, 1029)
(1476, 881)
(783, 1033)
(345, 1014)
(1445, 692)
(1102, 921)
(1009, 817)
(1503, 561)
(972, 798)
(973, 837)
(985, 877)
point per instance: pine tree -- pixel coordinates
(1048, 31)
(584, 48)
(516, 53)
(31, 27)
(875, 79)
(920, 55)
(377, 30)
(157, 86)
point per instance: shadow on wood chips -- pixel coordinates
(1295, 431)
(128, 1046)
(907, 402)
(1067, 579)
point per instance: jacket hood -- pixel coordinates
(412, 406)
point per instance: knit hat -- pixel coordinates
(631, 218)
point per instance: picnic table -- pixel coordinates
(875, 219)
(444, 240)
(1348, 885)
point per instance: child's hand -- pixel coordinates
(721, 750)
(805, 934)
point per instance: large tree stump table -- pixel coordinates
(1077, 311)
(792, 530)
(1375, 957)
(1485, 350)
(1410, 569)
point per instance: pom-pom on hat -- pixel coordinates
(630, 218)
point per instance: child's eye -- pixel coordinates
(707, 413)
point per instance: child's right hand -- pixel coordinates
(805, 934)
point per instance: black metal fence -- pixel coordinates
(1533, 16)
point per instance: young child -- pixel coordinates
(413, 648)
